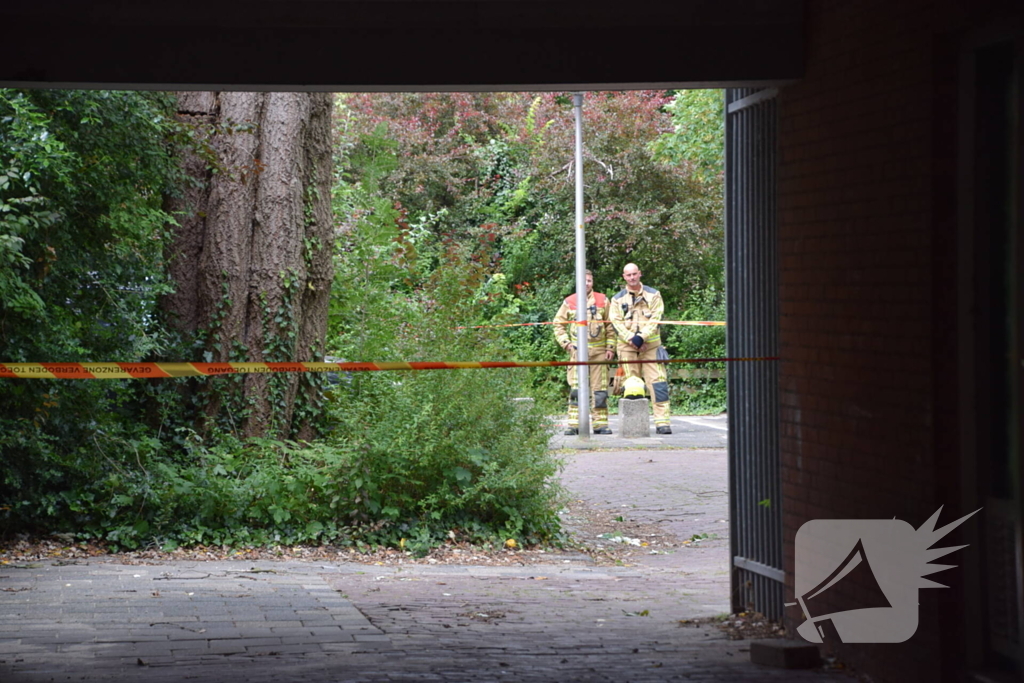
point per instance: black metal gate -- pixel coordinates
(755, 519)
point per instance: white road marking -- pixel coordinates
(700, 423)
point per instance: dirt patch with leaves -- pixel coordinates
(742, 626)
(593, 536)
(611, 537)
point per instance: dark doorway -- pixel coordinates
(991, 228)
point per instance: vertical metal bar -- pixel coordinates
(750, 395)
(764, 311)
(750, 213)
(731, 152)
(750, 181)
(775, 606)
(582, 355)
(756, 307)
(742, 261)
(774, 367)
(753, 264)
(773, 555)
(742, 211)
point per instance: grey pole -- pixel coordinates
(582, 371)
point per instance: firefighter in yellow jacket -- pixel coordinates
(600, 346)
(635, 313)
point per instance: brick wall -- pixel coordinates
(867, 310)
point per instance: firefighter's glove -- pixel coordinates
(637, 341)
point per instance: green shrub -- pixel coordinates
(132, 490)
(83, 176)
(698, 396)
(446, 451)
(443, 452)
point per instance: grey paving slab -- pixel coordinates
(688, 432)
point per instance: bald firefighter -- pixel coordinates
(635, 313)
(600, 345)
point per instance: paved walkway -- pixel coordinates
(688, 431)
(564, 620)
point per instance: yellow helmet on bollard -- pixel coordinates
(633, 387)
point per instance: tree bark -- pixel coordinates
(251, 256)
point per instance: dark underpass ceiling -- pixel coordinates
(341, 45)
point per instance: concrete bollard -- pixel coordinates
(634, 418)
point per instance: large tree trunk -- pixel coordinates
(252, 256)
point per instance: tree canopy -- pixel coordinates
(495, 171)
(498, 167)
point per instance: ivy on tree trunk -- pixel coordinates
(251, 256)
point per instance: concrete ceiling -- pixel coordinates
(367, 45)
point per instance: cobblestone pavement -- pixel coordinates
(566, 619)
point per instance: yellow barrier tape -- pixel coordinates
(713, 323)
(165, 370)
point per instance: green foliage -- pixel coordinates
(82, 181)
(259, 492)
(698, 137)
(453, 210)
(135, 490)
(18, 297)
(433, 453)
(699, 396)
(496, 170)
(446, 451)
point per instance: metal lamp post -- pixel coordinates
(582, 371)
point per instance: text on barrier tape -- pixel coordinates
(709, 323)
(162, 370)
